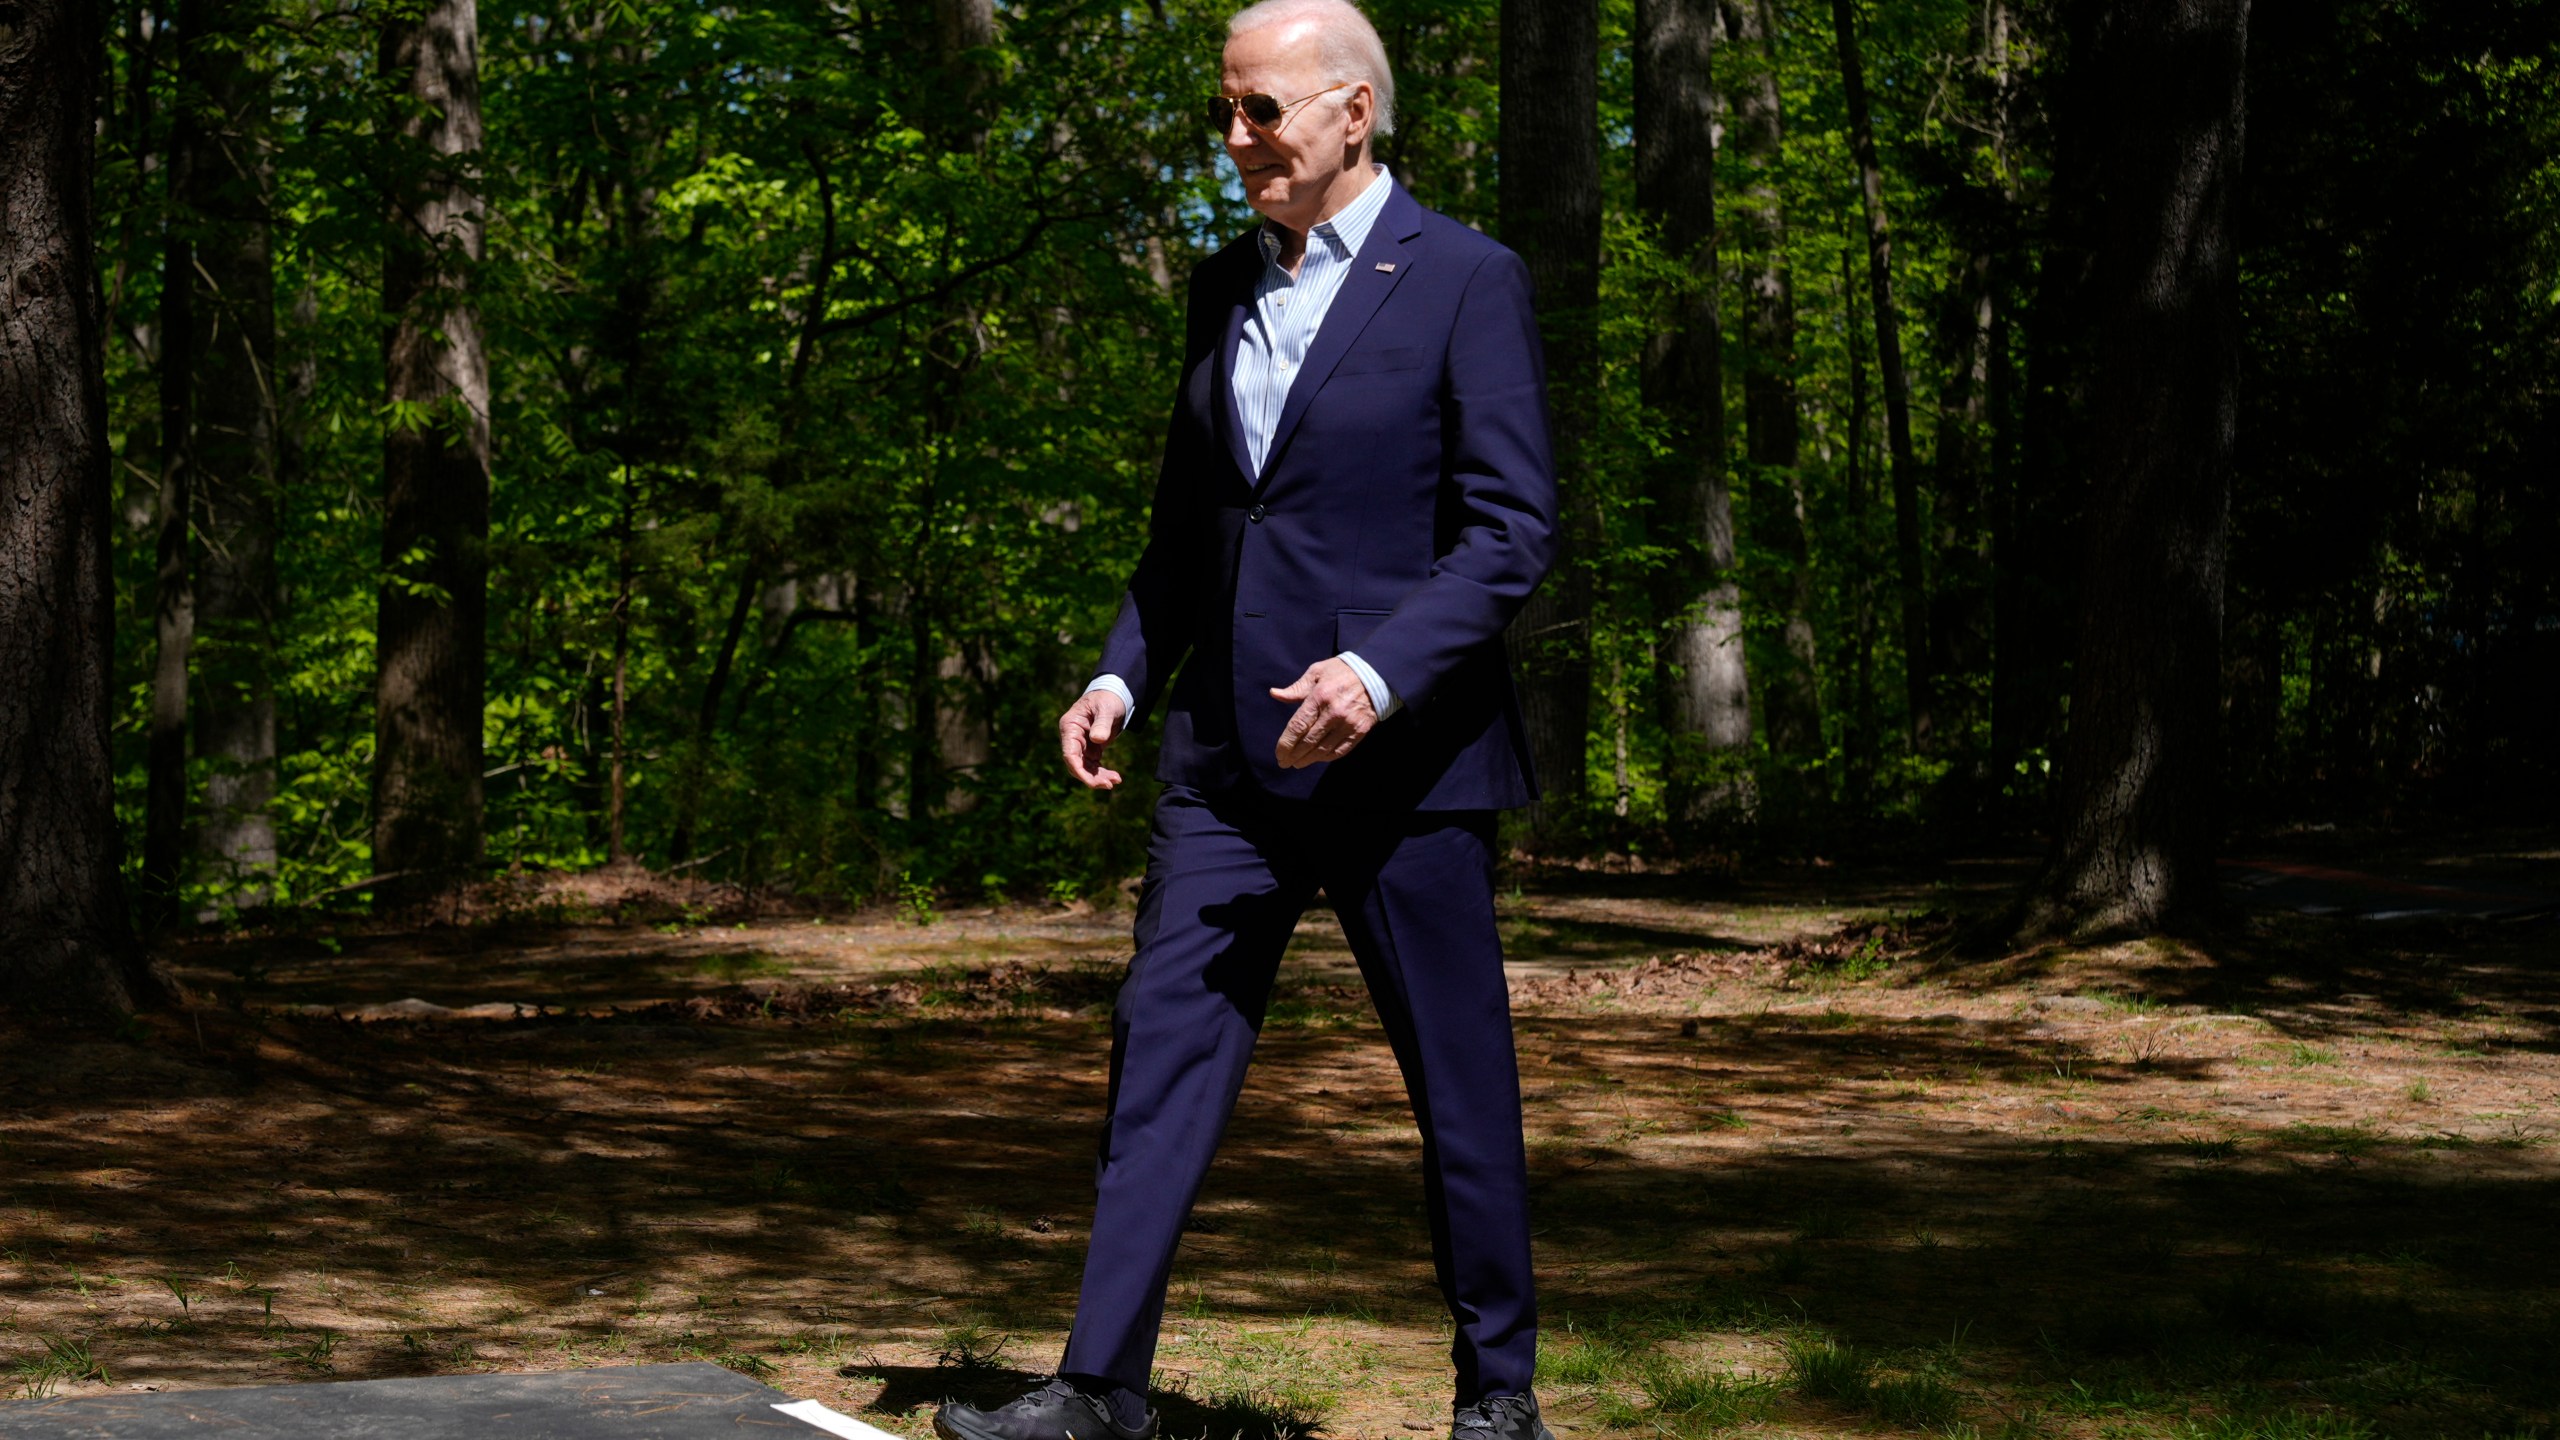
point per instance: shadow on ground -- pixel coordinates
(238, 1197)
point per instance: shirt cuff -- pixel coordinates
(1118, 687)
(1381, 699)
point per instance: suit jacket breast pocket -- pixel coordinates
(1350, 627)
(1385, 358)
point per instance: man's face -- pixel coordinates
(1289, 169)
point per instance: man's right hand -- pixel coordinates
(1087, 726)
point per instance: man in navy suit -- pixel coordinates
(1357, 496)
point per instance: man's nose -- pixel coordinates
(1240, 131)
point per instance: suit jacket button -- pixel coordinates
(1255, 514)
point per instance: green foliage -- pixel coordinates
(828, 395)
(65, 1358)
(1700, 1400)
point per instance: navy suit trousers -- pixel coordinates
(1228, 874)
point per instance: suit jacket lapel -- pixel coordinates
(1382, 263)
(1230, 420)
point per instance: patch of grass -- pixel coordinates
(970, 1347)
(2301, 1055)
(735, 967)
(314, 1353)
(65, 1358)
(1825, 1369)
(1696, 1400)
(2285, 1424)
(1241, 1414)
(2348, 1140)
(1581, 1361)
(2421, 1093)
(1787, 1264)
(1921, 1402)
(1265, 1385)
(1299, 1013)
(2209, 1148)
(754, 1367)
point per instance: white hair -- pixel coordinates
(1348, 45)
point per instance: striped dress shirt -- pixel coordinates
(1288, 310)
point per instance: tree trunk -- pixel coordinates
(961, 30)
(1790, 690)
(430, 685)
(1960, 610)
(2034, 589)
(1859, 741)
(1959, 618)
(173, 601)
(65, 943)
(2138, 789)
(231, 442)
(616, 845)
(1549, 212)
(1705, 687)
(1917, 682)
(954, 716)
(706, 722)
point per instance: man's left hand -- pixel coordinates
(1334, 714)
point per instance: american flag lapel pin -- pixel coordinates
(1389, 266)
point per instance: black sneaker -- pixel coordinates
(1503, 1417)
(1055, 1411)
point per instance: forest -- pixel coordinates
(539, 437)
(543, 545)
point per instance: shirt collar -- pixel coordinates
(1348, 230)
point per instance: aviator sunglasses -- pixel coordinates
(1260, 111)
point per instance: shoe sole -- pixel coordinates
(945, 1427)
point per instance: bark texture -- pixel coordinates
(1909, 563)
(1790, 689)
(2035, 588)
(1549, 212)
(65, 942)
(1705, 682)
(952, 709)
(429, 689)
(173, 600)
(230, 440)
(2136, 819)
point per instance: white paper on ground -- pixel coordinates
(811, 1412)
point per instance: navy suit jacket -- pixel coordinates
(1406, 509)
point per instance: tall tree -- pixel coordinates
(65, 943)
(1980, 200)
(2137, 813)
(220, 381)
(1549, 212)
(173, 602)
(2035, 517)
(1910, 563)
(1772, 431)
(430, 634)
(1706, 686)
(949, 732)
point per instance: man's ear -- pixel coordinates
(1360, 115)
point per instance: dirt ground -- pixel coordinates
(1800, 1167)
